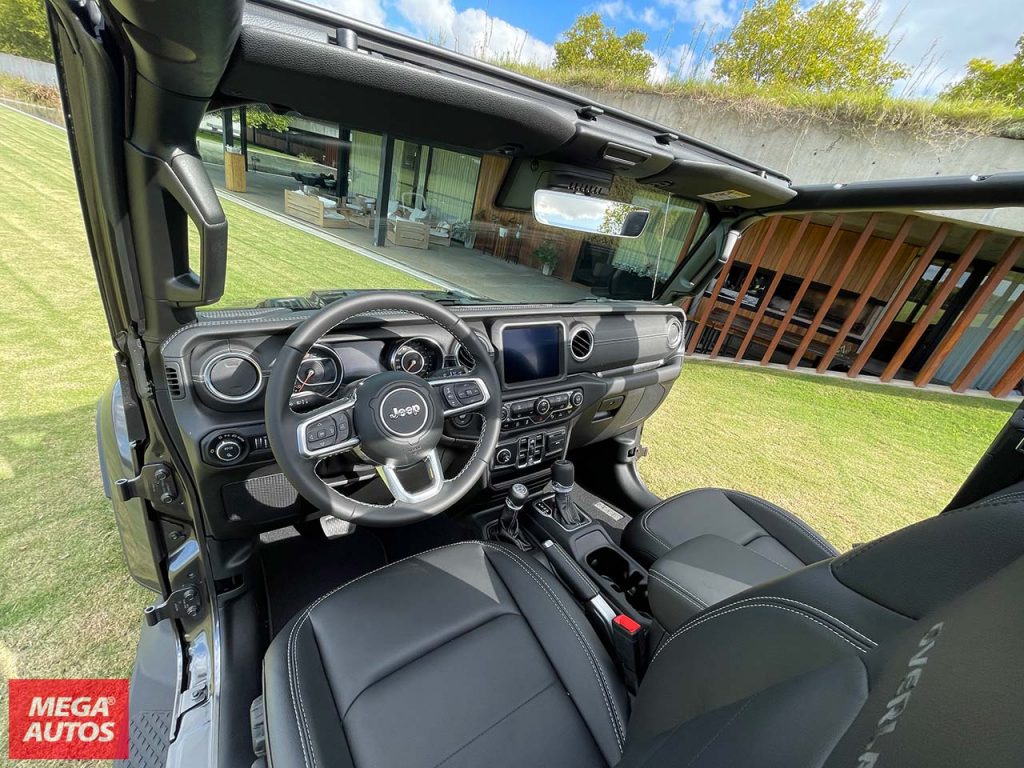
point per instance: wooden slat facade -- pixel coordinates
(837, 283)
(762, 242)
(934, 306)
(949, 341)
(821, 254)
(845, 274)
(896, 303)
(876, 277)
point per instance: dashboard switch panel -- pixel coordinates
(542, 409)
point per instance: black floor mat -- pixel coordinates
(299, 569)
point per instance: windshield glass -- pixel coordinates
(316, 209)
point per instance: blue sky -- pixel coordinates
(935, 37)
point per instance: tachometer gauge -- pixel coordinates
(320, 372)
(419, 356)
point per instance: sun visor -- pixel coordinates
(723, 186)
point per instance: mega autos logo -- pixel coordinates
(67, 719)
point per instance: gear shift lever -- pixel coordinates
(508, 523)
(563, 480)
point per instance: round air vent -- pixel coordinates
(233, 377)
(674, 333)
(464, 357)
(581, 343)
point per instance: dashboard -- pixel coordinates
(570, 377)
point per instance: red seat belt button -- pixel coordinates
(625, 622)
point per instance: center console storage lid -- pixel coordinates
(701, 572)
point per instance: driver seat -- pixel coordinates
(902, 652)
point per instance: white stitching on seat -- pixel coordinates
(789, 516)
(613, 712)
(766, 557)
(298, 706)
(858, 635)
(680, 590)
(734, 607)
(644, 522)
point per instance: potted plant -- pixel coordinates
(547, 256)
(463, 232)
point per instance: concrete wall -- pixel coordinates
(811, 151)
(38, 72)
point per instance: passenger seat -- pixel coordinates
(706, 545)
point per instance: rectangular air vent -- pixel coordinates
(175, 385)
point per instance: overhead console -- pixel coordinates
(570, 376)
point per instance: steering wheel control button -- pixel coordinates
(450, 398)
(321, 430)
(404, 412)
(468, 393)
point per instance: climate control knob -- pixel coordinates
(503, 456)
(542, 407)
(505, 413)
(577, 399)
(228, 449)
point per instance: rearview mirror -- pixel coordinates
(589, 214)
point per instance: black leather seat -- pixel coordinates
(904, 652)
(465, 655)
(761, 527)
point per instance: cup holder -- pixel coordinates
(621, 576)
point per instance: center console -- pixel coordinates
(533, 448)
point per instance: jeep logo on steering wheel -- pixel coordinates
(399, 412)
(403, 412)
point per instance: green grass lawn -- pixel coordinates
(854, 460)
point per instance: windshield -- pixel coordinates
(316, 209)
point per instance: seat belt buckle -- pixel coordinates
(630, 641)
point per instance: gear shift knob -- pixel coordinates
(508, 522)
(563, 475)
(563, 480)
(517, 495)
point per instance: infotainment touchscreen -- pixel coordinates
(531, 352)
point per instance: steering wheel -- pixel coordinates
(392, 420)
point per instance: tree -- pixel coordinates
(23, 29)
(589, 44)
(987, 81)
(830, 46)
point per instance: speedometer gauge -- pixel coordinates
(419, 356)
(320, 372)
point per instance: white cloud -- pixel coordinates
(711, 12)
(618, 10)
(987, 28)
(371, 11)
(473, 32)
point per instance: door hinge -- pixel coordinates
(184, 603)
(637, 452)
(155, 483)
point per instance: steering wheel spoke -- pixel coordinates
(462, 394)
(402, 494)
(393, 419)
(327, 430)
